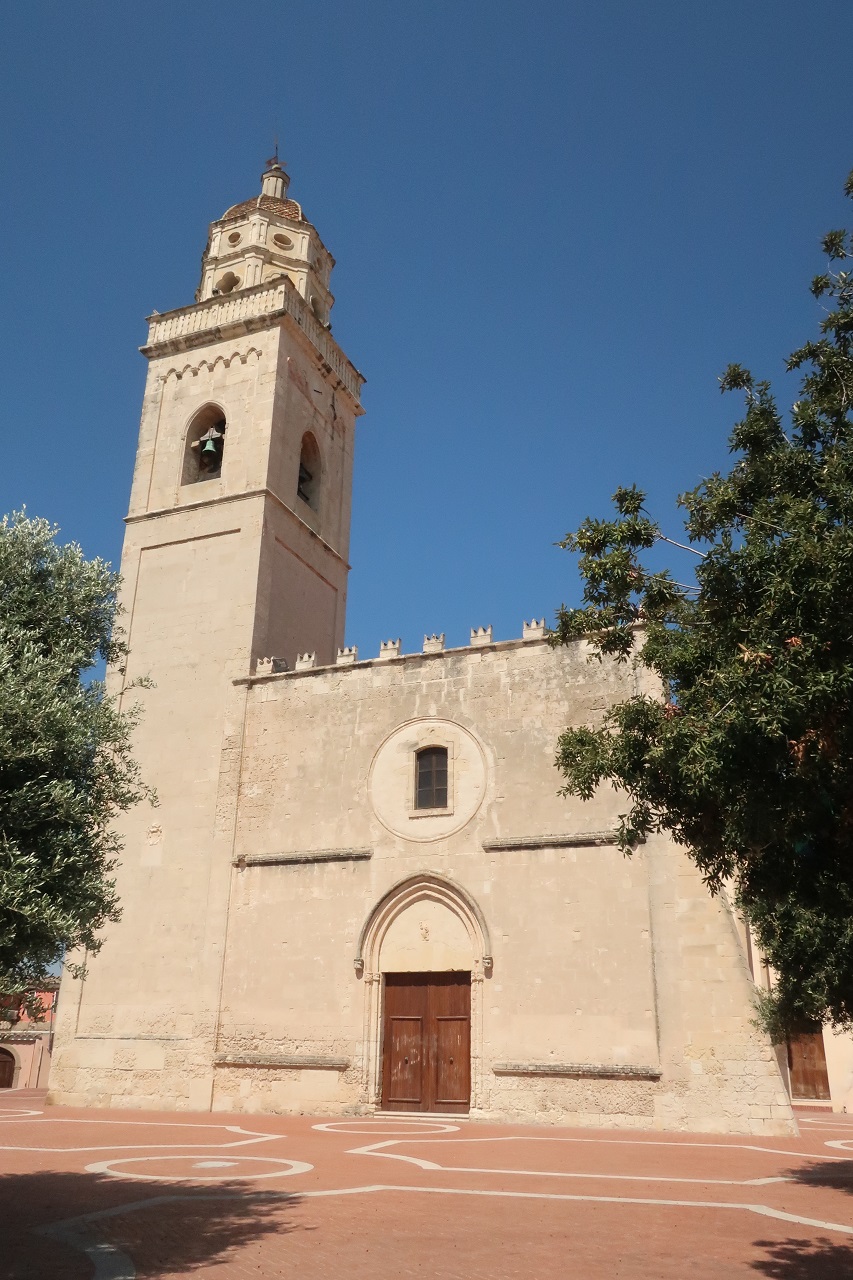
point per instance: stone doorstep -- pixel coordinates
(416, 1115)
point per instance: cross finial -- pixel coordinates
(274, 160)
(275, 179)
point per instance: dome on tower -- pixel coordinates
(283, 208)
(273, 198)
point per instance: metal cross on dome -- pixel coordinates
(274, 160)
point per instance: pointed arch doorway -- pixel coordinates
(423, 954)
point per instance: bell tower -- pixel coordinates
(248, 418)
(235, 550)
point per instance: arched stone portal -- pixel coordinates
(423, 924)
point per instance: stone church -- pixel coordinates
(360, 890)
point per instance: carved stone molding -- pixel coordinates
(193, 370)
(572, 840)
(578, 1070)
(287, 1061)
(300, 858)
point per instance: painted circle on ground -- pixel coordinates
(13, 1113)
(235, 1168)
(843, 1144)
(384, 1129)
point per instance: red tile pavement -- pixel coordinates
(120, 1195)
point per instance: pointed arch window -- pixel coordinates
(431, 778)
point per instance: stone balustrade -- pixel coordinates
(175, 330)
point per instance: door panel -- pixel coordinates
(426, 1051)
(405, 1063)
(452, 1063)
(404, 1044)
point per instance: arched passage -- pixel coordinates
(424, 925)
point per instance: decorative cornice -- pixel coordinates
(297, 859)
(194, 369)
(286, 1061)
(244, 312)
(577, 1070)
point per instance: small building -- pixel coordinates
(361, 890)
(26, 1037)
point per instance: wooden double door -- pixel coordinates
(426, 1046)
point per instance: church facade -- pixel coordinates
(360, 890)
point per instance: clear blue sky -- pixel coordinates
(555, 224)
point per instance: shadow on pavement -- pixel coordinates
(839, 1174)
(70, 1226)
(813, 1259)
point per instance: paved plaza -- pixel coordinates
(118, 1195)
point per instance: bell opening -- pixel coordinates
(205, 446)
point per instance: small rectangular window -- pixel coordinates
(431, 778)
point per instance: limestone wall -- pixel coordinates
(605, 990)
(616, 991)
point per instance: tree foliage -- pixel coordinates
(65, 763)
(746, 758)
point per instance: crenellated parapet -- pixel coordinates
(481, 639)
(533, 630)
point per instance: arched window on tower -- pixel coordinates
(431, 778)
(308, 483)
(205, 446)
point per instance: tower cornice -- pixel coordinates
(245, 312)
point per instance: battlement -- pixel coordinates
(391, 651)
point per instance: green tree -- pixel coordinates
(746, 757)
(65, 763)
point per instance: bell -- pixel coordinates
(209, 455)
